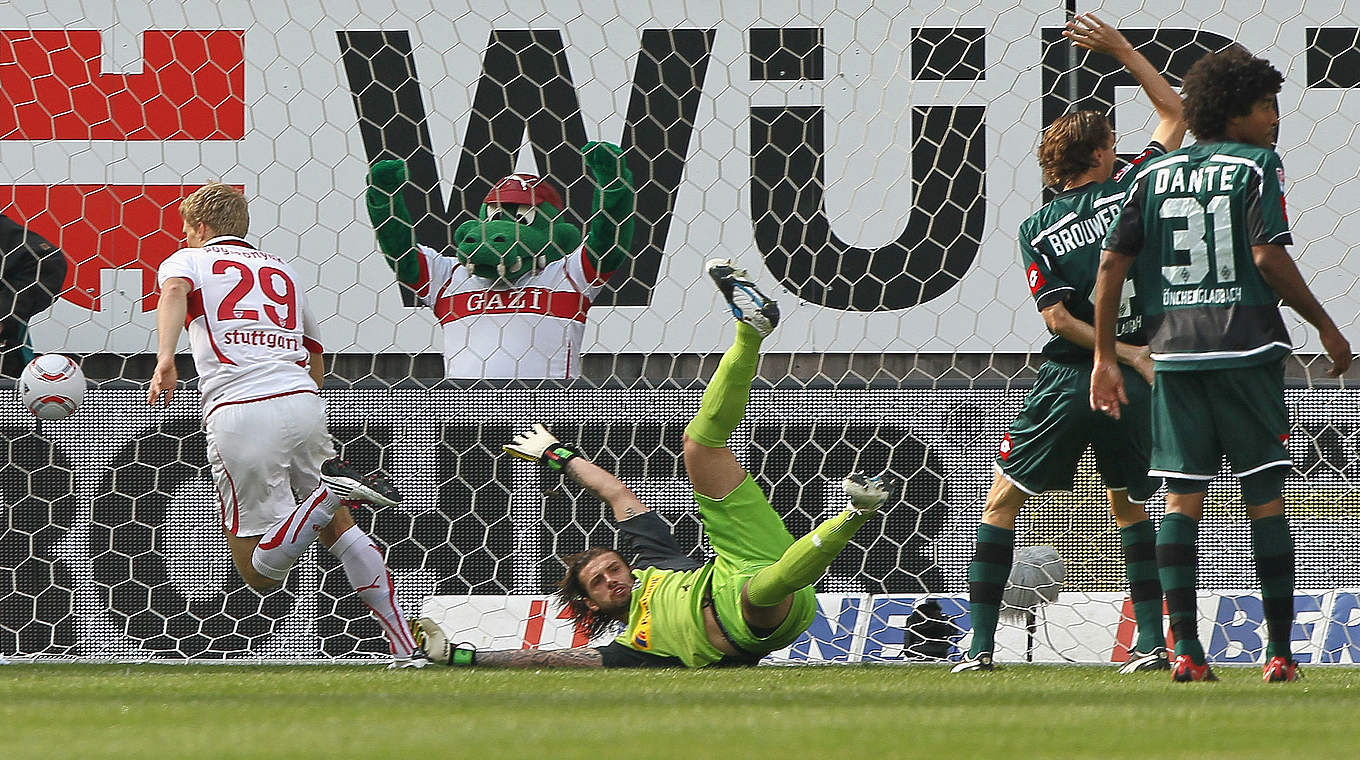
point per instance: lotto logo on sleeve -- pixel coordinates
(1284, 210)
(1036, 279)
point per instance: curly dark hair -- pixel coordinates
(1066, 148)
(571, 592)
(1224, 85)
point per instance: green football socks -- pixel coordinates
(724, 401)
(1177, 565)
(805, 560)
(1273, 547)
(987, 575)
(1145, 590)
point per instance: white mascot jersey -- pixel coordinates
(531, 328)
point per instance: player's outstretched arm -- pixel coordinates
(1280, 272)
(392, 220)
(538, 445)
(437, 646)
(579, 657)
(1107, 383)
(1087, 31)
(609, 234)
(170, 312)
(1061, 322)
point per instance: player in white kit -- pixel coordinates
(257, 350)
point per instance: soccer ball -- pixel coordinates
(52, 387)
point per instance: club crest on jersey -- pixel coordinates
(1036, 279)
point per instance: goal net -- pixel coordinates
(869, 163)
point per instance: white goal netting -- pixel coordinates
(869, 162)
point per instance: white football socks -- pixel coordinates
(286, 540)
(367, 573)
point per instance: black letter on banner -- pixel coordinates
(131, 534)
(526, 84)
(795, 463)
(1333, 56)
(37, 509)
(948, 207)
(1091, 85)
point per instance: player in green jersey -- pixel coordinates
(754, 598)
(1207, 227)
(1060, 247)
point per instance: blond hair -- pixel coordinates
(221, 207)
(1065, 152)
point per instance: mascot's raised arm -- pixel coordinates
(513, 300)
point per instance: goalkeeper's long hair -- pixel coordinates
(1224, 85)
(572, 593)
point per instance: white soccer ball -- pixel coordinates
(52, 387)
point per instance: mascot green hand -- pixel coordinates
(520, 227)
(392, 221)
(609, 238)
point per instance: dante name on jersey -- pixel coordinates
(1192, 218)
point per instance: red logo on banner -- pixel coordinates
(102, 227)
(1036, 278)
(192, 87)
(533, 627)
(1128, 629)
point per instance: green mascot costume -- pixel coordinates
(513, 300)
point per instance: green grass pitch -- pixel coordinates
(188, 711)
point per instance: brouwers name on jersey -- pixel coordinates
(1083, 232)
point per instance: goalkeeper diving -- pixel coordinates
(753, 598)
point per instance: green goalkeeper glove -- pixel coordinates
(538, 445)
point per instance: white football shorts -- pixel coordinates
(266, 457)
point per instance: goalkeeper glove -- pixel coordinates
(430, 638)
(866, 493)
(538, 445)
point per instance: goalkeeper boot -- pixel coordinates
(348, 483)
(748, 304)
(1140, 662)
(1184, 670)
(981, 663)
(866, 493)
(1281, 669)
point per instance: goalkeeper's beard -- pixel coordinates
(614, 610)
